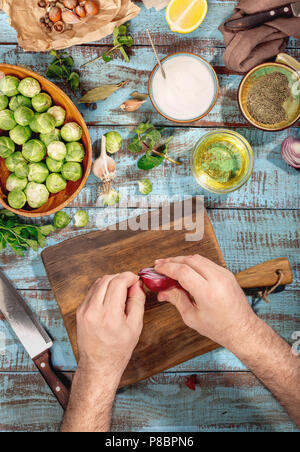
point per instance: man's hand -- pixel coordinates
(212, 302)
(109, 324)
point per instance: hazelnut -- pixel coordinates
(92, 7)
(59, 27)
(55, 14)
(70, 4)
(42, 3)
(80, 11)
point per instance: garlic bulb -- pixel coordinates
(104, 168)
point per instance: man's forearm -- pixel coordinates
(270, 358)
(91, 402)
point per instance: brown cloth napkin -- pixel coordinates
(246, 49)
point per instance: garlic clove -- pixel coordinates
(104, 167)
(132, 105)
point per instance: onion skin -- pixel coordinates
(157, 282)
(290, 151)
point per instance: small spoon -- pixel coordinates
(156, 54)
(104, 168)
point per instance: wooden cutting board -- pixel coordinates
(75, 264)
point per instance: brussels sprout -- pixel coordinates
(41, 102)
(34, 151)
(22, 170)
(59, 114)
(47, 138)
(15, 183)
(54, 166)
(7, 147)
(113, 142)
(38, 172)
(71, 132)
(57, 150)
(72, 171)
(55, 183)
(34, 125)
(19, 101)
(29, 87)
(3, 102)
(75, 152)
(7, 120)
(12, 161)
(20, 134)
(16, 199)
(112, 198)
(81, 219)
(24, 116)
(37, 195)
(46, 123)
(9, 86)
(145, 186)
(61, 220)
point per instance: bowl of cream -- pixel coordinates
(189, 91)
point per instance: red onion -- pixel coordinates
(290, 151)
(155, 281)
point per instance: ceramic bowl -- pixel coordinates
(60, 200)
(201, 115)
(291, 106)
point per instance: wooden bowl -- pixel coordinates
(60, 200)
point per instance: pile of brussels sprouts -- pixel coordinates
(41, 152)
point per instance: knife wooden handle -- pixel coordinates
(43, 363)
(266, 274)
(247, 22)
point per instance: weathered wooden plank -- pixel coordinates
(225, 113)
(233, 402)
(282, 314)
(271, 180)
(246, 237)
(207, 33)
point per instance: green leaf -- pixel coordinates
(68, 61)
(107, 58)
(143, 127)
(149, 161)
(126, 40)
(135, 146)
(74, 81)
(54, 71)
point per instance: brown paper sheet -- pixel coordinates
(25, 16)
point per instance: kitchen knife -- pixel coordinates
(32, 335)
(253, 20)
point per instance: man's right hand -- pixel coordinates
(212, 302)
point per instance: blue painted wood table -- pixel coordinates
(257, 223)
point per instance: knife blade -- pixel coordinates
(32, 335)
(253, 20)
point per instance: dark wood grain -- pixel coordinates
(43, 363)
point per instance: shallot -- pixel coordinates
(157, 282)
(290, 151)
(91, 7)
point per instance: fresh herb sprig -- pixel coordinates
(149, 139)
(121, 39)
(21, 236)
(61, 68)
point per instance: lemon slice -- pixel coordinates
(184, 16)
